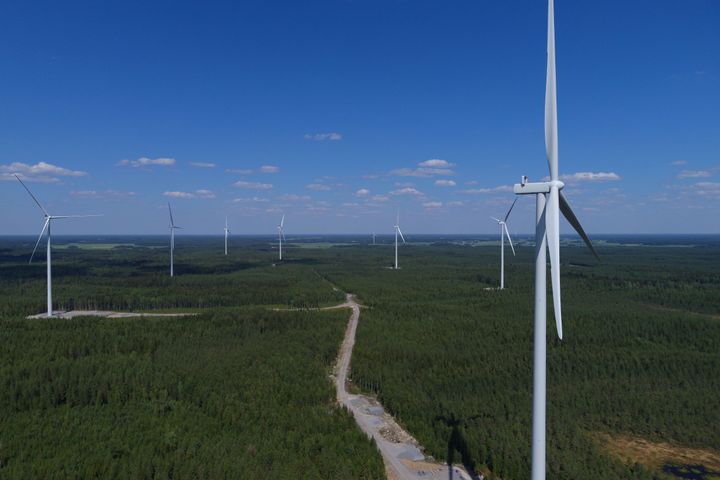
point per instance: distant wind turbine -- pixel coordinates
(227, 231)
(47, 226)
(503, 232)
(550, 202)
(373, 238)
(397, 231)
(281, 234)
(172, 227)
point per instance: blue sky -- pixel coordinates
(339, 112)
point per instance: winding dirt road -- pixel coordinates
(403, 455)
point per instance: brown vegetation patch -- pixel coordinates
(656, 454)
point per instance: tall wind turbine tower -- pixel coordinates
(172, 227)
(281, 235)
(550, 202)
(47, 226)
(397, 231)
(503, 232)
(227, 231)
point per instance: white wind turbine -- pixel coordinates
(281, 234)
(48, 223)
(227, 231)
(172, 227)
(503, 232)
(550, 202)
(397, 231)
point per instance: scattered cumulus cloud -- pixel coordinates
(406, 191)
(480, 191)
(101, 194)
(445, 183)
(363, 192)
(694, 174)
(432, 204)
(318, 187)
(41, 172)
(436, 163)
(321, 137)
(147, 162)
(250, 200)
(203, 164)
(253, 185)
(428, 168)
(590, 177)
(707, 189)
(380, 198)
(241, 171)
(269, 169)
(204, 194)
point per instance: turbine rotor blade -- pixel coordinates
(172, 222)
(47, 221)
(552, 227)
(551, 133)
(33, 196)
(511, 207)
(496, 219)
(75, 216)
(509, 239)
(282, 221)
(401, 235)
(572, 219)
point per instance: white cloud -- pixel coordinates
(253, 185)
(421, 172)
(435, 163)
(590, 177)
(147, 162)
(478, 191)
(455, 204)
(445, 183)
(380, 198)
(41, 172)
(291, 197)
(250, 200)
(241, 171)
(679, 162)
(406, 191)
(269, 169)
(203, 164)
(205, 194)
(694, 174)
(101, 194)
(432, 204)
(363, 192)
(320, 137)
(318, 187)
(707, 189)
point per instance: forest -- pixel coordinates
(242, 391)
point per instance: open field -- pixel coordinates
(448, 358)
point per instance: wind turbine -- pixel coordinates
(373, 238)
(504, 231)
(48, 223)
(281, 234)
(227, 230)
(397, 231)
(172, 227)
(550, 202)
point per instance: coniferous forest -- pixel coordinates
(242, 390)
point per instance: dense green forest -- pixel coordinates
(241, 389)
(640, 354)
